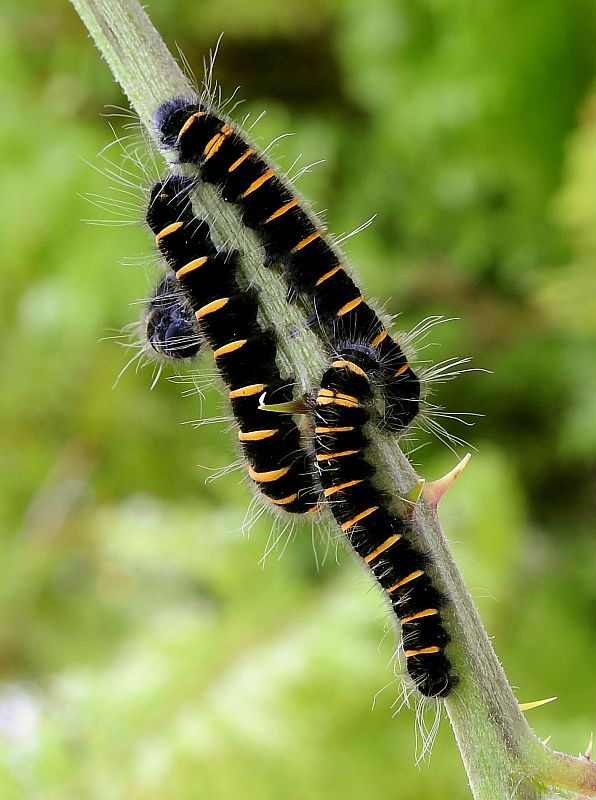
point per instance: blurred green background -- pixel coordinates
(144, 652)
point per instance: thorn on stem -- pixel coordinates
(434, 490)
(292, 407)
(536, 703)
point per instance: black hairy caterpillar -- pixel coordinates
(244, 352)
(169, 322)
(289, 234)
(377, 535)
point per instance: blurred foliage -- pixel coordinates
(143, 652)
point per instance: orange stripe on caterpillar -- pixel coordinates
(281, 211)
(349, 365)
(284, 501)
(306, 241)
(268, 477)
(212, 307)
(339, 395)
(428, 612)
(257, 436)
(190, 121)
(328, 275)
(356, 519)
(350, 306)
(230, 347)
(216, 142)
(330, 456)
(382, 547)
(379, 337)
(330, 429)
(424, 651)
(259, 182)
(333, 489)
(408, 579)
(241, 160)
(247, 391)
(175, 226)
(194, 264)
(334, 401)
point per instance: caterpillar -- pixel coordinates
(244, 352)
(290, 234)
(169, 322)
(381, 538)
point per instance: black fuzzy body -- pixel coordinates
(289, 235)
(381, 538)
(245, 353)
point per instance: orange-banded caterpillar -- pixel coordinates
(381, 539)
(290, 234)
(169, 323)
(244, 352)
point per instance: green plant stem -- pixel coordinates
(503, 757)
